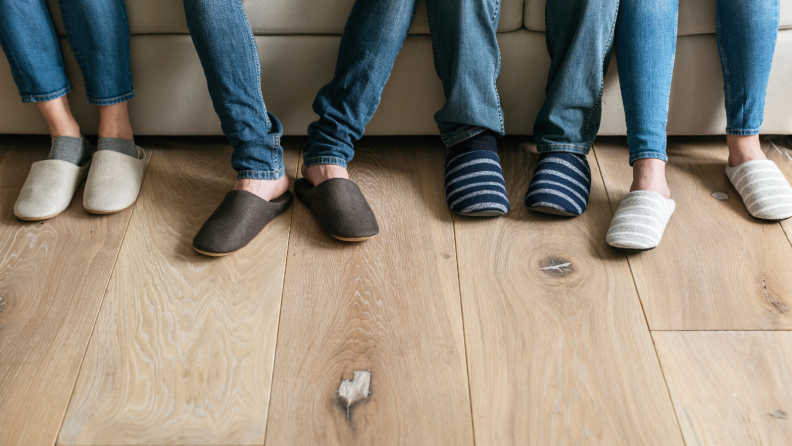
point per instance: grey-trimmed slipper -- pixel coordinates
(49, 189)
(114, 181)
(340, 207)
(240, 217)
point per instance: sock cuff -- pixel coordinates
(485, 140)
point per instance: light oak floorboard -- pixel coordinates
(558, 350)
(53, 275)
(183, 348)
(717, 268)
(388, 306)
(730, 388)
(779, 149)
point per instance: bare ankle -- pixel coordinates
(744, 148)
(649, 175)
(266, 189)
(114, 121)
(59, 117)
(322, 172)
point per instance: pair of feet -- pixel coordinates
(336, 202)
(113, 177)
(641, 218)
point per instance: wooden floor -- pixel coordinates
(521, 330)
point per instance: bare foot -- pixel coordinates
(744, 148)
(649, 174)
(320, 172)
(266, 189)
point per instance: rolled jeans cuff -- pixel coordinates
(46, 97)
(564, 149)
(450, 139)
(645, 155)
(314, 161)
(110, 101)
(259, 175)
(743, 132)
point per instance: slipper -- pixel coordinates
(340, 207)
(240, 217)
(763, 188)
(114, 181)
(640, 221)
(49, 188)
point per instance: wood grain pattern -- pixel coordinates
(53, 275)
(779, 149)
(717, 267)
(183, 348)
(558, 351)
(730, 388)
(389, 306)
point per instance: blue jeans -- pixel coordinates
(98, 32)
(466, 57)
(225, 44)
(581, 35)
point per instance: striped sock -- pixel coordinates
(474, 179)
(560, 185)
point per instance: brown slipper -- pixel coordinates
(237, 221)
(340, 207)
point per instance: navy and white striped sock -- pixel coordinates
(560, 185)
(474, 179)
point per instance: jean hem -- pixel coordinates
(467, 134)
(646, 155)
(46, 97)
(551, 148)
(260, 175)
(743, 132)
(317, 160)
(111, 101)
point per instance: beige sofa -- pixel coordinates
(298, 41)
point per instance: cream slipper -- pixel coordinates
(49, 188)
(114, 181)
(639, 222)
(763, 188)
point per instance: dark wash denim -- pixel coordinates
(467, 60)
(581, 35)
(227, 49)
(98, 32)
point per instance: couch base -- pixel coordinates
(172, 97)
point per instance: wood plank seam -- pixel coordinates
(101, 303)
(303, 140)
(640, 302)
(464, 337)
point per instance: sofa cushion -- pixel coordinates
(276, 16)
(695, 16)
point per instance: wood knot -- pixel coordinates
(556, 267)
(351, 392)
(780, 414)
(718, 195)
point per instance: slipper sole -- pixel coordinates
(354, 239)
(549, 210)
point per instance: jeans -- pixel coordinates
(227, 49)
(98, 32)
(581, 36)
(645, 47)
(466, 58)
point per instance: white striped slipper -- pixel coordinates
(763, 188)
(639, 222)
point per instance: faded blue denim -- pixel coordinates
(227, 49)
(98, 32)
(581, 35)
(466, 57)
